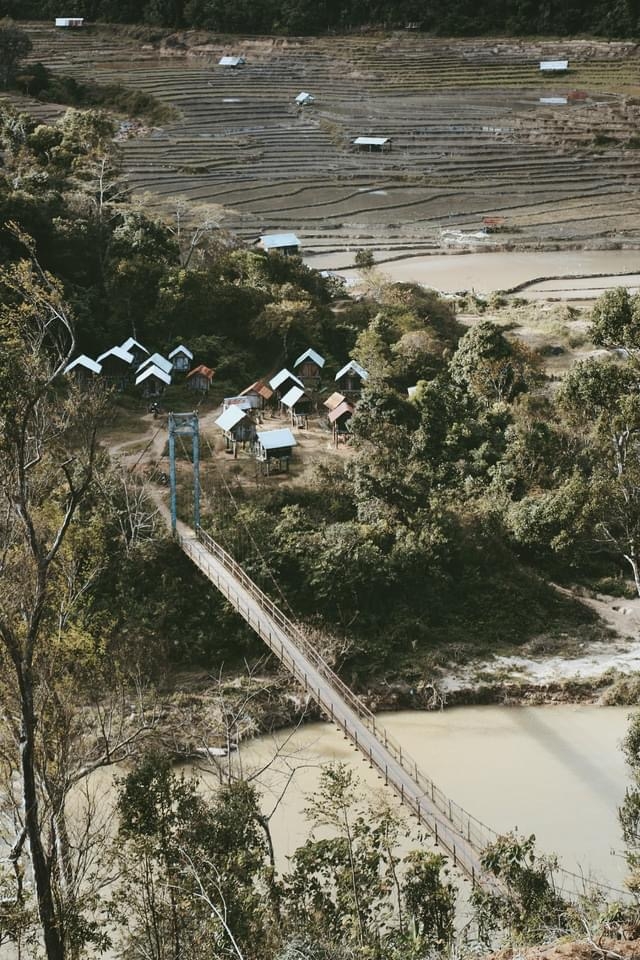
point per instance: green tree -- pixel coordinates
(615, 320)
(15, 44)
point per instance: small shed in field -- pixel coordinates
(232, 62)
(373, 144)
(200, 378)
(83, 368)
(237, 426)
(274, 449)
(554, 66)
(260, 391)
(72, 22)
(156, 360)
(283, 381)
(153, 381)
(181, 358)
(117, 366)
(285, 243)
(309, 366)
(339, 419)
(304, 99)
(351, 378)
(137, 350)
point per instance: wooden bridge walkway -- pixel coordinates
(461, 835)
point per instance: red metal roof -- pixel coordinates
(203, 371)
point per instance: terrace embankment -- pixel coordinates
(470, 137)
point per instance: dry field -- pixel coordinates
(470, 137)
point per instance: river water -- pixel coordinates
(556, 771)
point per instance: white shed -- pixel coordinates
(181, 358)
(69, 21)
(377, 144)
(282, 242)
(153, 380)
(233, 62)
(304, 98)
(554, 66)
(156, 360)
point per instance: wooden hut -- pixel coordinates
(273, 448)
(339, 419)
(83, 368)
(261, 391)
(349, 380)
(117, 366)
(156, 360)
(283, 381)
(200, 378)
(309, 366)
(137, 350)
(299, 405)
(334, 400)
(181, 358)
(153, 381)
(304, 99)
(72, 23)
(237, 426)
(232, 63)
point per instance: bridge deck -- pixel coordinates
(461, 835)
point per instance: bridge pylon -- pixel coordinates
(184, 425)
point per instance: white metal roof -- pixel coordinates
(370, 141)
(181, 349)
(244, 403)
(304, 98)
(230, 417)
(157, 360)
(274, 241)
(274, 439)
(292, 396)
(281, 377)
(153, 371)
(352, 365)
(116, 352)
(411, 391)
(554, 101)
(554, 64)
(231, 61)
(65, 21)
(83, 361)
(132, 342)
(311, 355)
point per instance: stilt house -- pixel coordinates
(118, 366)
(349, 380)
(309, 366)
(299, 406)
(274, 449)
(200, 378)
(237, 426)
(283, 381)
(153, 381)
(181, 358)
(261, 391)
(83, 368)
(339, 419)
(136, 349)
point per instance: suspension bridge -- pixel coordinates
(462, 836)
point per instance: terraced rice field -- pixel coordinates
(470, 137)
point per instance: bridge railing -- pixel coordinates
(476, 833)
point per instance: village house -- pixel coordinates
(273, 448)
(299, 406)
(156, 360)
(285, 243)
(200, 378)
(136, 349)
(351, 377)
(153, 381)
(262, 393)
(334, 400)
(237, 426)
(339, 419)
(83, 368)
(309, 366)
(117, 366)
(283, 381)
(372, 144)
(181, 358)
